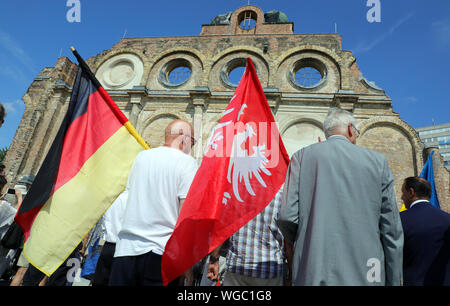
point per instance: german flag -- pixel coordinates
(84, 171)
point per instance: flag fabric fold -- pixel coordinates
(85, 169)
(244, 166)
(427, 173)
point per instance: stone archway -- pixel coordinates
(301, 132)
(398, 142)
(153, 132)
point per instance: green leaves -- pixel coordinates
(3, 153)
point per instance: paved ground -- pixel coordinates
(82, 282)
(79, 281)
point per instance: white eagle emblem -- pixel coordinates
(244, 166)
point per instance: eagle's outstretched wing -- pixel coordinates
(244, 166)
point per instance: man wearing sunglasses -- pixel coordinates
(158, 183)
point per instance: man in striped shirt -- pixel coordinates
(256, 255)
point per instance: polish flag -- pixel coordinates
(244, 166)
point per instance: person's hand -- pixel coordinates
(213, 271)
(84, 245)
(17, 192)
(18, 195)
(82, 251)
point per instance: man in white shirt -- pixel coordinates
(7, 210)
(158, 183)
(111, 225)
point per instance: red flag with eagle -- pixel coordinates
(244, 166)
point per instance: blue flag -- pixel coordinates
(427, 173)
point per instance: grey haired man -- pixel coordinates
(340, 213)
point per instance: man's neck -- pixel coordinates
(338, 135)
(172, 145)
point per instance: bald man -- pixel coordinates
(158, 183)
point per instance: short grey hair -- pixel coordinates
(337, 120)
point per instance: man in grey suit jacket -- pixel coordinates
(339, 211)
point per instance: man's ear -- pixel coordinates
(411, 192)
(181, 146)
(350, 130)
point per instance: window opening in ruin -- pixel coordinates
(248, 20)
(308, 76)
(236, 74)
(179, 75)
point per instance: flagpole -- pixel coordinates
(108, 99)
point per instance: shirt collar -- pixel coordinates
(338, 137)
(415, 202)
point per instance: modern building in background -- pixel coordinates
(437, 136)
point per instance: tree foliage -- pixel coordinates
(3, 153)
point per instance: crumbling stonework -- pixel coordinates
(136, 72)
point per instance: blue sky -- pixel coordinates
(406, 54)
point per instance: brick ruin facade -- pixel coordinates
(136, 73)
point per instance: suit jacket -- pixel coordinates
(426, 257)
(339, 210)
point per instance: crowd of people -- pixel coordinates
(335, 221)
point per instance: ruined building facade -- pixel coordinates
(158, 79)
